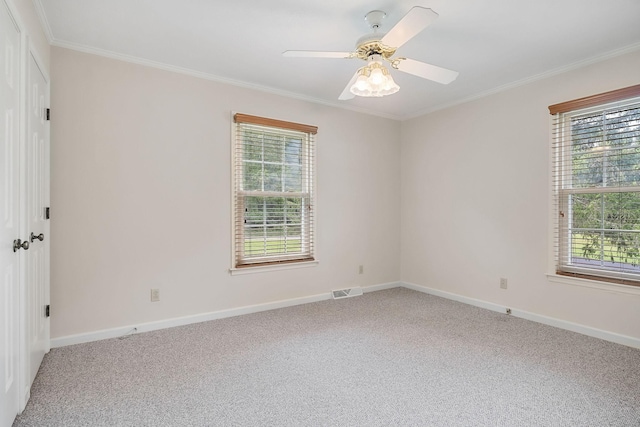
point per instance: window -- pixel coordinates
(596, 179)
(273, 191)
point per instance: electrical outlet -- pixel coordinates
(503, 283)
(155, 295)
(360, 269)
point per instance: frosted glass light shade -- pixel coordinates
(374, 81)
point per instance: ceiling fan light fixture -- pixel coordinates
(377, 77)
(390, 86)
(361, 83)
(374, 80)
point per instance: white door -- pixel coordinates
(37, 230)
(10, 214)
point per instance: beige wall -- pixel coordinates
(141, 196)
(475, 200)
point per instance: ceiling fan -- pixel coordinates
(374, 79)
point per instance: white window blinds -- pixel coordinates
(596, 179)
(273, 164)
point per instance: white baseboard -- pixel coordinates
(381, 287)
(551, 321)
(197, 318)
(180, 321)
(26, 397)
(455, 297)
(204, 317)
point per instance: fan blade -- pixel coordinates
(427, 71)
(416, 20)
(315, 54)
(346, 93)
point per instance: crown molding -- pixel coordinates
(207, 76)
(573, 66)
(212, 77)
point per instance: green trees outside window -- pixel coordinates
(603, 189)
(273, 182)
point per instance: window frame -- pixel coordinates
(560, 206)
(240, 262)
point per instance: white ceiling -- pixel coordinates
(492, 43)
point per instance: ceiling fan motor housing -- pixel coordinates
(371, 44)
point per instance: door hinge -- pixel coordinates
(48, 113)
(47, 310)
(47, 212)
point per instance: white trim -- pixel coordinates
(44, 22)
(272, 267)
(380, 287)
(204, 317)
(562, 188)
(551, 321)
(26, 396)
(552, 213)
(199, 74)
(247, 85)
(455, 297)
(187, 320)
(595, 284)
(140, 61)
(212, 77)
(181, 321)
(33, 51)
(23, 385)
(307, 195)
(574, 66)
(578, 328)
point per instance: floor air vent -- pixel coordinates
(345, 293)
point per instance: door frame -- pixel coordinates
(25, 324)
(18, 67)
(26, 310)
(27, 49)
(23, 392)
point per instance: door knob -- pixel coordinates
(39, 237)
(17, 244)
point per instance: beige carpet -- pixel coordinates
(388, 358)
